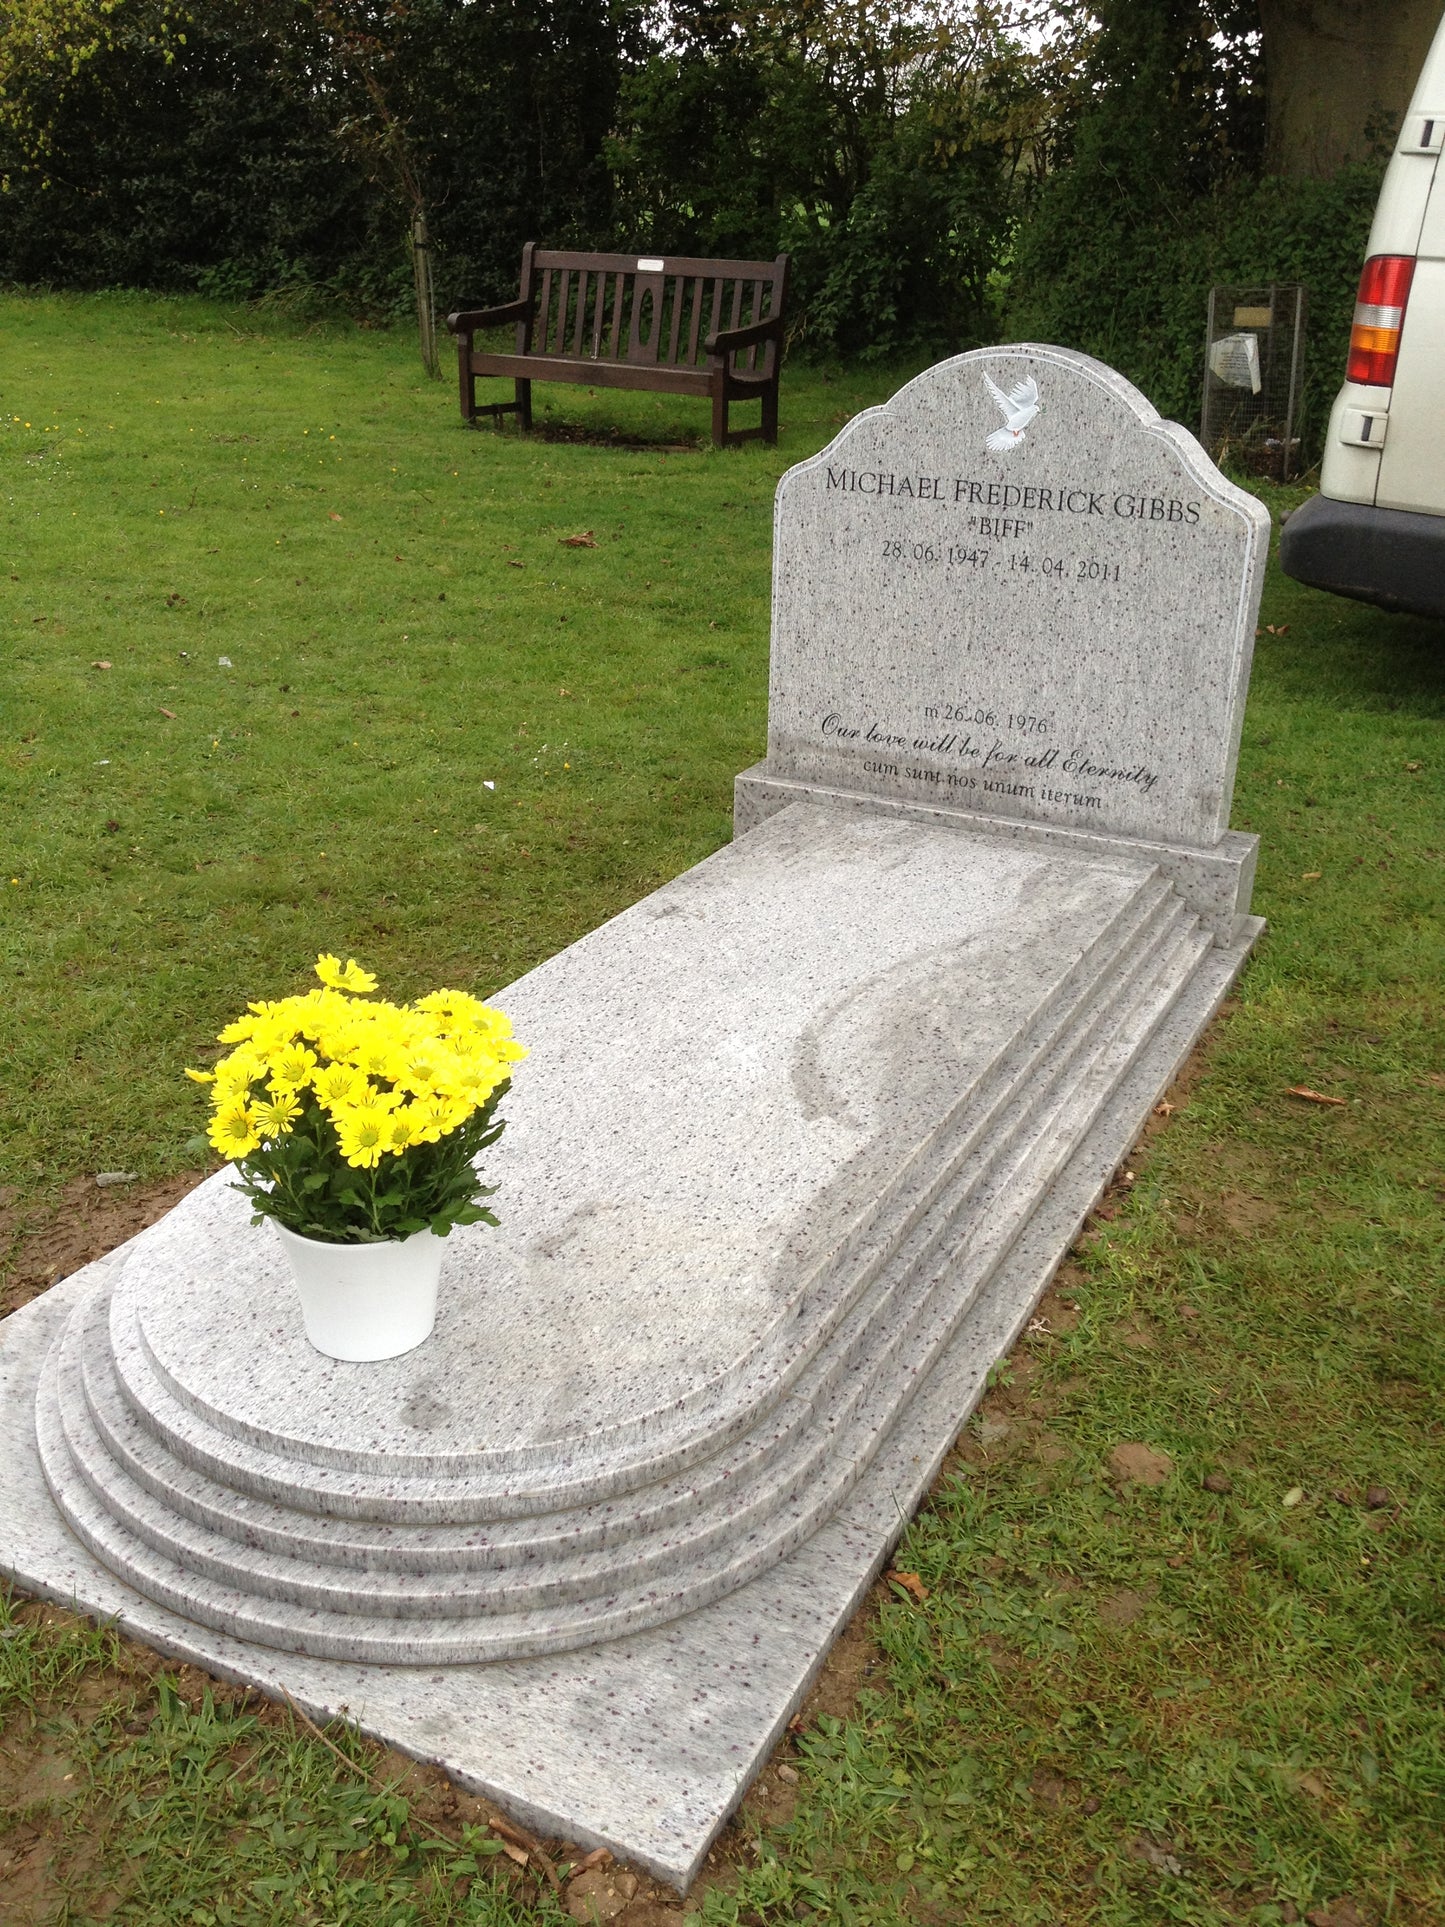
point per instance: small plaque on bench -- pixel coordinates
(651, 267)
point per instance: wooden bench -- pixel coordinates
(679, 326)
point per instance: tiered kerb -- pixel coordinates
(787, 1216)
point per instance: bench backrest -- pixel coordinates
(648, 310)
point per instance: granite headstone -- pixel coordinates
(1014, 589)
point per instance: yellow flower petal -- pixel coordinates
(348, 976)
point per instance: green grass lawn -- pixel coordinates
(446, 742)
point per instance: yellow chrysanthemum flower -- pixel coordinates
(237, 1073)
(233, 1131)
(476, 1079)
(361, 1132)
(290, 1068)
(348, 976)
(452, 1007)
(237, 1032)
(422, 1069)
(400, 1130)
(435, 1116)
(338, 1084)
(275, 1116)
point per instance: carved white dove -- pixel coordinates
(1019, 406)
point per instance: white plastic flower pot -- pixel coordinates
(365, 1302)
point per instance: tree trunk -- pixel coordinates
(1339, 75)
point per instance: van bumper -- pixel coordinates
(1391, 557)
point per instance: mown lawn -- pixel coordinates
(447, 742)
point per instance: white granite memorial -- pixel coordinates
(800, 1141)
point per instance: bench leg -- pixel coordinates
(719, 416)
(770, 415)
(467, 381)
(524, 403)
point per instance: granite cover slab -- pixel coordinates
(645, 1744)
(183, 1413)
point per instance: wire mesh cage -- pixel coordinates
(1253, 370)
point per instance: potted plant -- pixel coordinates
(355, 1126)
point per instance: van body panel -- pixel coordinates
(1432, 228)
(1350, 473)
(1400, 211)
(1430, 87)
(1412, 464)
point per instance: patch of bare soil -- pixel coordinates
(601, 437)
(42, 1245)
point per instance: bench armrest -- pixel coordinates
(471, 319)
(726, 341)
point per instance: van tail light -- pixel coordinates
(1379, 317)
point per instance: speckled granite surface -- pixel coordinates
(497, 1493)
(1215, 880)
(644, 1744)
(1059, 630)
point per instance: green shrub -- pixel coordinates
(1135, 292)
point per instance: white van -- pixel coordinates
(1376, 530)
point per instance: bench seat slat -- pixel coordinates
(595, 374)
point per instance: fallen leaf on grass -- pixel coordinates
(169, 712)
(910, 1582)
(1312, 1097)
(519, 1854)
(516, 565)
(1310, 876)
(333, 515)
(586, 540)
(1293, 1497)
(598, 1857)
(101, 665)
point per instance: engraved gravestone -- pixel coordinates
(1016, 590)
(800, 1141)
